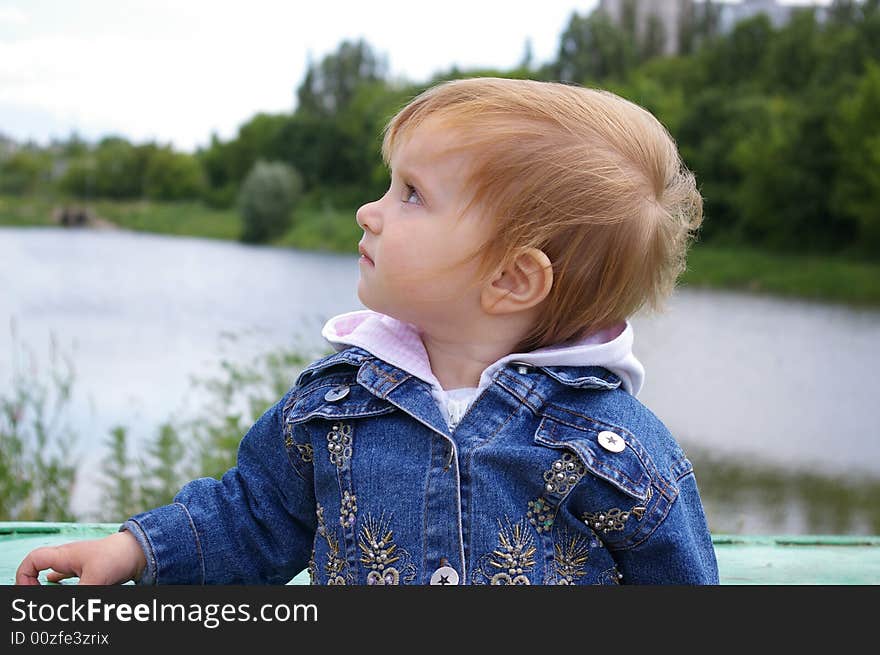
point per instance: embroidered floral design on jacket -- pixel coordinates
(348, 510)
(541, 514)
(379, 552)
(304, 449)
(339, 444)
(609, 577)
(313, 568)
(563, 474)
(305, 452)
(336, 568)
(510, 563)
(570, 558)
(614, 519)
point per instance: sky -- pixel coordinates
(177, 71)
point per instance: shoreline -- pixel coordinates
(836, 279)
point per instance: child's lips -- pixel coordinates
(365, 258)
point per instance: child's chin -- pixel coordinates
(365, 298)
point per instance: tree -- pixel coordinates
(593, 48)
(855, 132)
(654, 43)
(734, 60)
(793, 54)
(267, 199)
(23, 171)
(329, 86)
(787, 164)
(173, 176)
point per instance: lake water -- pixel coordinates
(755, 388)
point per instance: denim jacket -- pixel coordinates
(554, 475)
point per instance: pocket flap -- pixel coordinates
(332, 397)
(628, 469)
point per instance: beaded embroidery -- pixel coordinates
(513, 559)
(379, 552)
(570, 558)
(609, 577)
(541, 514)
(336, 566)
(339, 444)
(313, 569)
(348, 510)
(614, 519)
(563, 474)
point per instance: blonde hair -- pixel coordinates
(591, 179)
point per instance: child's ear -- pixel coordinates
(522, 283)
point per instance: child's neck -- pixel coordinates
(459, 362)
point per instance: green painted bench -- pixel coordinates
(830, 560)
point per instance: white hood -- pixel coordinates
(400, 345)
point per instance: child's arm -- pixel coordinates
(255, 525)
(679, 550)
(111, 560)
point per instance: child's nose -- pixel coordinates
(368, 217)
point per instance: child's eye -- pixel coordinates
(411, 195)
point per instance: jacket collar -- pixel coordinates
(577, 363)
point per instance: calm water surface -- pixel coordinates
(762, 391)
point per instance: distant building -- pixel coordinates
(664, 19)
(668, 14)
(8, 147)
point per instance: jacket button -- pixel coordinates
(336, 393)
(611, 441)
(445, 575)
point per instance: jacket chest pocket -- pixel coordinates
(618, 494)
(319, 420)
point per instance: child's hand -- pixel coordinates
(111, 560)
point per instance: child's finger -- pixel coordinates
(39, 560)
(55, 576)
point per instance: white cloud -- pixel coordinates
(176, 71)
(12, 16)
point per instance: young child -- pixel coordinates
(479, 423)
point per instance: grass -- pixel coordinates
(320, 226)
(826, 278)
(179, 218)
(19, 212)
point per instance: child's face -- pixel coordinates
(415, 239)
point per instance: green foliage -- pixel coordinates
(793, 55)
(114, 169)
(25, 171)
(246, 392)
(225, 165)
(118, 486)
(330, 85)
(856, 135)
(173, 176)
(203, 445)
(734, 60)
(181, 218)
(37, 465)
(267, 199)
(778, 124)
(817, 277)
(131, 484)
(593, 48)
(787, 167)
